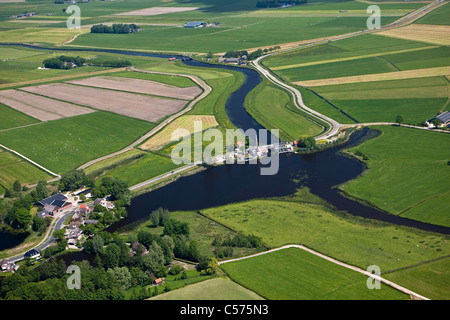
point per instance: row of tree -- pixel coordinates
(115, 28)
(278, 3)
(64, 62)
(250, 56)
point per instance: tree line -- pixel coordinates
(64, 62)
(278, 3)
(250, 56)
(115, 28)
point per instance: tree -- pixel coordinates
(211, 268)
(122, 276)
(112, 256)
(306, 143)
(72, 180)
(436, 122)
(21, 219)
(399, 119)
(41, 190)
(97, 244)
(17, 187)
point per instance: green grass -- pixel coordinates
(148, 166)
(431, 279)
(413, 110)
(407, 167)
(273, 108)
(13, 168)
(438, 16)
(355, 241)
(65, 144)
(294, 274)
(213, 289)
(177, 81)
(12, 118)
(113, 161)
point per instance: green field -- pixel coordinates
(426, 278)
(407, 168)
(13, 168)
(138, 170)
(294, 274)
(214, 289)
(273, 108)
(438, 16)
(357, 242)
(12, 118)
(63, 145)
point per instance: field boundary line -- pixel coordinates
(30, 161)
(348, 266)
(206, 90)
(370, 55)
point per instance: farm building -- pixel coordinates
(444, 117)
(53, 204)
(194, 25)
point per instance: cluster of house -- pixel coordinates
(240, 61)
(8, 266)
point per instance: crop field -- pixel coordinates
(184, 122)
(65, 144)
(407, 168)
(280, 222)
(273, 108)
(13, 168)
(12, 118)
(41, 108)
(417, 99)
(213, 289)
(144, 107)
(172, 80)
(436, 34)
(310, 277)
(140, 86)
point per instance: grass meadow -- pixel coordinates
(294, 274)
(63, 145)
(407, 168)
(213, 289)
(12, 118)
(273, 108)
(358, 242)
(14, 168)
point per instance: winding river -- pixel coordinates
(226, 184)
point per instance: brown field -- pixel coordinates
(397, 75)
(40, 108)
(129, 104)
(140, 86)
(422, 32)
(153, 11)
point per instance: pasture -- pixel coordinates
(355, 241)
(407, 168)
(65, 144)
(294, 274)
(14, 168)
(273, 108)
(12, 118)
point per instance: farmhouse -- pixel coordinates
(194, 25)
(229, 60)
(8, 266)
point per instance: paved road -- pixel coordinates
(364, 272)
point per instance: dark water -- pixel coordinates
(226, 184)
